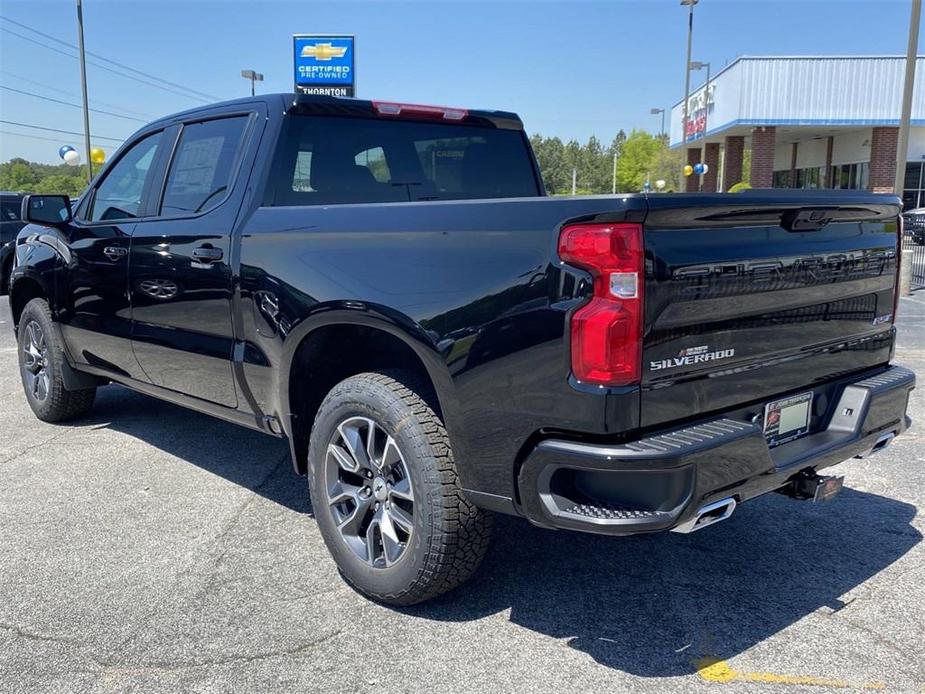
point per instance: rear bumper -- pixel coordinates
(661, 481)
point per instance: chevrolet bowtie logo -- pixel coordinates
(323, 51)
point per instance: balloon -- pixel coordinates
(688, 170)
(706, 169)
(97, 155)
(698, 169)
(64, 149)
(72, 157)
(660, 183)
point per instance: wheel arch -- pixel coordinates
(338, 343)
(25, 287)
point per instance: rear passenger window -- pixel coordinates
(201, 170)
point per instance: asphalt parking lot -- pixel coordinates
(148, 548)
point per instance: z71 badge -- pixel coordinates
(691, 356)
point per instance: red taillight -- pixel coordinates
(606, 332)
(390, 108)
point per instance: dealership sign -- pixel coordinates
(324, 64)
(697, 107)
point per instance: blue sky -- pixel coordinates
(570, 68)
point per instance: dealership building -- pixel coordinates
(809, 121)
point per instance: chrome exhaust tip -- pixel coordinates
(708, 515)
(882, 442)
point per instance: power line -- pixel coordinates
(57, 130)
(112, 62)
(68, 103)
(33, 137)
(103, 67)
(58, 90)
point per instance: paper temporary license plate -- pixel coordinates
(787, 419)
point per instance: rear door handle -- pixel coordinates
(207, 254)
(115, 252)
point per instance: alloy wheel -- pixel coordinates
(35, 361)
(369, 491)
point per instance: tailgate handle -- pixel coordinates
(806, 219)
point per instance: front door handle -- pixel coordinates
(207, 254)
(115, 252)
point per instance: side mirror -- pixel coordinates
(46, 209)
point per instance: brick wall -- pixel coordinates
(883, 143)
(692, 182)
(711, 159)
(732, 166)
(762, 173)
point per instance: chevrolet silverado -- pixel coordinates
(388, 287)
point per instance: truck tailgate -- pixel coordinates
(752, 296)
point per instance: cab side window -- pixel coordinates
(119, 195)
(201, 171)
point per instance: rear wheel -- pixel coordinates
(386, 495)
(41, 362)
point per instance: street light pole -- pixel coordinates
(687, 81)
(83, 86)
(253, 77)
(902, 144)
(655, 112)
(698, 65)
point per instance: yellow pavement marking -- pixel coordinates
(719, 671)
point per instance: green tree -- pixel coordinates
(637, 160)
(550, 155)
(31, 177)
(18, 174)
(666, 165)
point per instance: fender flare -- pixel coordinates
(389, 321)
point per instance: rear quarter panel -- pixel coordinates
(473, 286)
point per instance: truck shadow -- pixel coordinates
(651, 605)
(646, 605)
(250, 459)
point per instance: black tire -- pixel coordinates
(450, 535)
(50, 401)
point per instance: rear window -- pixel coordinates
(326, 161)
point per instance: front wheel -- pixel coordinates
(41, 363)
(386, 494)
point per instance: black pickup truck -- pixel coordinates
(388, 287)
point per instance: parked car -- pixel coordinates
(387, 287)
(914, 223)
(10, 224)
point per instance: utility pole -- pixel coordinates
(615, 172)
(574, 180)
(902, 146)
(83, 86)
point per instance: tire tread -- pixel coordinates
(462, 531)
(62, 404)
